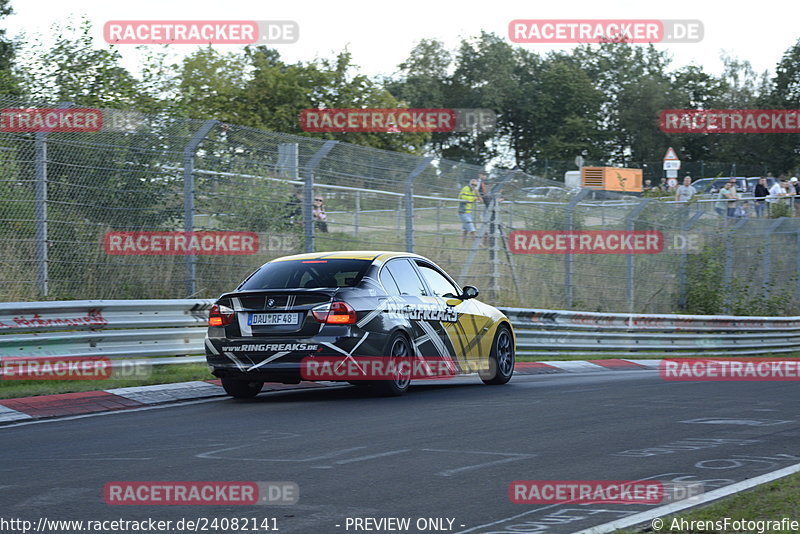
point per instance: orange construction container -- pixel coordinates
(612, 179)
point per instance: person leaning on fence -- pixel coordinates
(760, 193)
(686, 191)
(727, 200)
(467, 197)
(792, 189)
(776, 192)
(794, 182)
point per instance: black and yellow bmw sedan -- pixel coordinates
(371, 318)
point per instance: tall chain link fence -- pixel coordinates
(95, 216)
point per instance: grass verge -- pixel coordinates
(161, 374)
(771, 502)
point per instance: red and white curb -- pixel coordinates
(64, 404)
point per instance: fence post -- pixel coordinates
(308, 193)
(682, 265)
(767, 260)
(188, 200)
(41, 213)
(496, 189)
(40, 210)
(357, 214)
(568, 225)
(410, 202)
(630, 221)
(797, 260)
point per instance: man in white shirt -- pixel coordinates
(776, 192)
(685, 192)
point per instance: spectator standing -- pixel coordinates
(685, 191)
(776, 192)
(792, 191)
(760, 192)
(467, 197)
(730, 195)
(320, 217)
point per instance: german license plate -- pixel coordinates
(264, 319)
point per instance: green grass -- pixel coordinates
(772, 501)
(161, 374)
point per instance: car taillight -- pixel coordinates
(220, 315)
(335, 313)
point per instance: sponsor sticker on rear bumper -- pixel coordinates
(270, 347)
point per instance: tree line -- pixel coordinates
(601, 101)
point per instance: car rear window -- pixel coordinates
(307, 274)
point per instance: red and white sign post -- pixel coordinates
(671, 165)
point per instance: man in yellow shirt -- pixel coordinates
(467, 198)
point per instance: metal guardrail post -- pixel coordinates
(410, 202)
(308, 193)
(188, 200)
(568, 226)
(40, 210)
(682, 263)
(630, 221)
(767, 259)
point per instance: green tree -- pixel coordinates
(9, 82)
(86, 75)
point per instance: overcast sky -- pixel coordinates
(381, 34)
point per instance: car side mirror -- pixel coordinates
(470, 292)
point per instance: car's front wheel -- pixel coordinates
(399, 351)
(241, 389)
(501, 359)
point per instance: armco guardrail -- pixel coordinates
(157, 328)
(110, 328)
(558, 333)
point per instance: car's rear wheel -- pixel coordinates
(241, 389)
(501, 359)
(399, 351)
